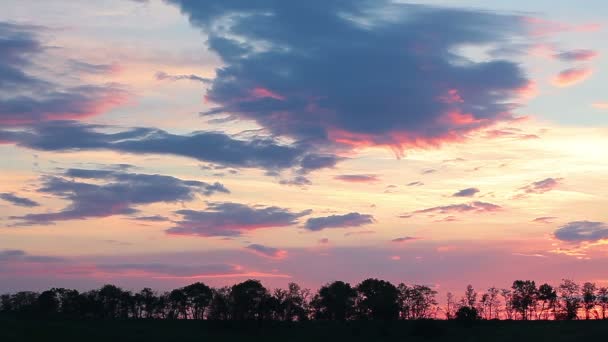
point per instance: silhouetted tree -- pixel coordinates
(569, 293)
(470, 297)
(602, 301)
(249, 300)
(589, 299)
(220, 306)
(292, 303)
(450, 308)
(467, 313)
(146, 303)
(335, 301)
(489, 304)
(178, 304)
(507, 296)
(524, 297)
(377, 299)
(417, 301)
(547, 298)
(198, 298)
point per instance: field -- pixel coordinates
(153, 330)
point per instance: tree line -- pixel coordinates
(372, 299)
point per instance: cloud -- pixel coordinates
(214, 147)
(267, 252)
(404, 239)
(577, 55)
(154, 218)
(295, 79)
(18, 201)
(161, 76)
(339, 221)
(468, 192)
(475, 207)
(542, 186)
(15, 256)
(30, 99)
(582, 231)
(358, 178)
(89, 68)
(297, 181)
(417, 183)
(119, 195)
(233, 219)
(544, 219)
(572, 76)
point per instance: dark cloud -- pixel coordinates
(577, 55)
(89, 68)
(233, 219)
(582, 231)
(476, 206)
(544, 219)
(417, 183)
(296, 79)
(297, 181)
(542, 186)
(314, 162)
(404, 239)
(30, 99)
(119, 195)
(358, 178)
(468, 192)
(154, 218)
(214, 147)
(15, 255)
(339, 221)
(19, 201)
(267, 252)
(161, 76)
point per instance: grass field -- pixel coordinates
(142, 330)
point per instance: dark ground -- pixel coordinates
(142, 330)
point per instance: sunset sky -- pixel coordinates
(446, 142)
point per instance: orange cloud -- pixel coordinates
(570, 77)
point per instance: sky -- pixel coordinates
(158, 143)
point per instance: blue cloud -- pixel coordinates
(19, 201)
(339, 221)
(233, 219)
(119, 195)
(366, 72)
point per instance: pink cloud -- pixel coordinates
(267, 252)
(543, 27)
(472, 207)
(542, 186)
(570, 77)
(261, 92)
(452, 96)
